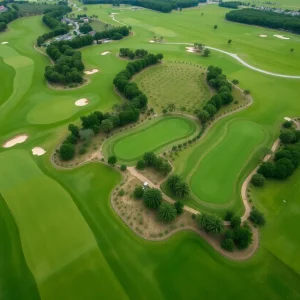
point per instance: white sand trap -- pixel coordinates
(288, 119)
(106, 52)
(114, 13)
(190, 49)
(91, 72)
(4, 43)
(281, 37)
(16, 140)
(82, 102)
(263, 35)
(38, 151)
(151, 41)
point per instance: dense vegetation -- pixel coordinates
(162, 6)
(138, 53)
(7, 17)
(231, 4)
(266, 19)
(218, 81)
(177, 186)
(114, 33)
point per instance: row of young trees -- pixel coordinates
(52, 19)
(265, 18)
(138, 53)
(151, 160)
(286, 159)
(219, 82)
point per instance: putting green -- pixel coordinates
(214, 176)
(151, 136)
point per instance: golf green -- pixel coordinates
(154, 135)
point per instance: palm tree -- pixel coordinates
(210, 223)
(171, 107)
(167, 212)
(182, 189)
(173, 180)
(166, 168)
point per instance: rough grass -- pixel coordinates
(178, 83)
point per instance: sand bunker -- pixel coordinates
(151, 41)
(38, 151)
(263, 35)
(82, 102)
(114, 13)
(3, 43)
(106, 52)
(287, 119)
(281, 37)
(16, 140)
(91, 72)
(190, 49)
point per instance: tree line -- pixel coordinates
(116, 33)
(219, 82)
(266, 19)
(7, 17)
(127, 113)
(162, 6)
(231, 4)
(52, 19)
(138, 53)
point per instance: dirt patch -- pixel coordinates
(82, 102)
(16, 140)
(91, 72)
(38, 151)
(105, 53)
(4, 43)
(282, 37)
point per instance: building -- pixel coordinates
(3, 9)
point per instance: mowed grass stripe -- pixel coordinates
(7, 74)
(53, 232)
(152, 136)
(214, 180)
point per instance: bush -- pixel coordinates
(140, 165)
(121, 192)
(242, 237)
(67, 151)
(258, 180)
(227, 244)
(152, 198)
(167, 212)
(82, 150)
(257, 217)
(228, 215)
(138, 192)
(179, 207)
(112, 160)
(228, 234)
(123, 168)
(210, 223)
(236, 221)
(287, 124)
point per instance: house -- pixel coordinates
(3, 9)
(92, 33)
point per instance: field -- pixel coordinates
(154, 136)
(174, 83)
(61, 238)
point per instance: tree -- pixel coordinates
(167, 212)
(138, 192)
(165, 168)
(256, 217)
(182, 189)
(140, 165)
(292, 50)
(173, 180)
(67, 151)
(216, 26)
(86, 134)
(247, 92)
(287, 136)
(123, 168)
(236, 221)
(171, 107)
(152, 198)
(206, 52)
(258, 180)
(164, 111)
(235, 81)
(203, 116)
(242, 237)
(210, 223)
(179, 207)
(107, 125)
(287, 124)
(227, 244)
(74, 130)
(228, 215)
(85, 28)
(112, 160)
(149, 158)
(284, 168)
(229, 42)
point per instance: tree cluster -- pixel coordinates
(211, 223)
(177, 186)
(116, 33)
(68, 67)
(266, 19)
(138, 53)
(231, 4)
(85, 28)
(218, 81)
(7, 17)
(157, 162)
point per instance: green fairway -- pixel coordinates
(213, 178)
(174, 83)
(60, 237)
(151, 136)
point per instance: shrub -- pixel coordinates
(227, 244)
(242, 237)
(257, 217)
(228, 215)
(287, 124)
(123, 168)
(112, 160)
(140, 165)
(121, 192)
(228, 234)
(167, 212)
(138, 192)
(82, 150)
(179, 207)
(258, 180)
(67, 151)
(152, 198)
(236, 221)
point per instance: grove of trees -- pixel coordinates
(266, 19)
(231, 4)
(116, 33)
(177, 186)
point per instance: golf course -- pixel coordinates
(61, 236)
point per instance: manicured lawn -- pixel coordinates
(7, 74)
(151, 136)
(174, 83)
